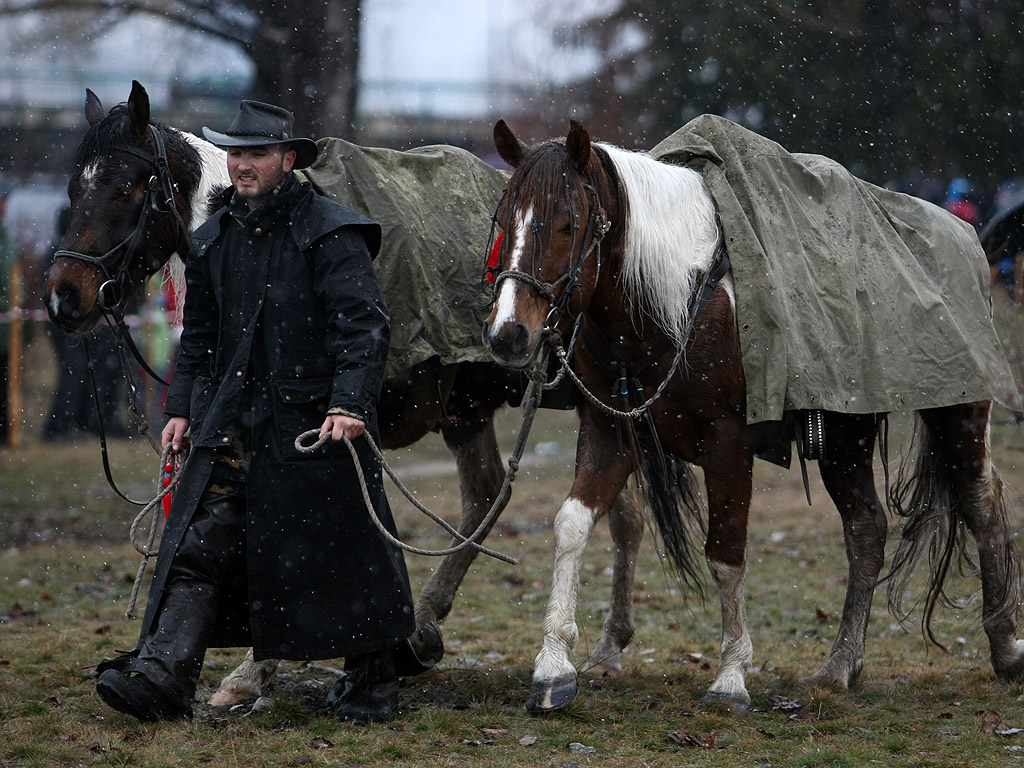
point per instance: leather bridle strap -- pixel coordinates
(597, 227)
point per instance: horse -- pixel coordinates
(137, 190)
(618, 262)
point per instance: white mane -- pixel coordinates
(213, 178)
(671, 235)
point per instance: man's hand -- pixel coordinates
(338, 425)
(174, 434)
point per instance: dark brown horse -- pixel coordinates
(625, 255)
(137, 191)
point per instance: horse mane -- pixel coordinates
(671, 235)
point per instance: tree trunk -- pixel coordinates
(307, 56)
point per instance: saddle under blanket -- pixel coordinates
(434, 205)
(849, 297)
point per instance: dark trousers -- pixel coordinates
(211, 551)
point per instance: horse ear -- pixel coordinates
(577, 144)
(93, 109)
(138, 108)
(509, 147)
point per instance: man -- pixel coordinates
(285, 330)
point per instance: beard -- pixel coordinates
(253, 186)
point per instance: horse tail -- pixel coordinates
(925, 495)
(677, 511)
(673, 498)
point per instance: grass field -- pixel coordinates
(66, 572)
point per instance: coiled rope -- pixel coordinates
(473, 540)
(146, 549)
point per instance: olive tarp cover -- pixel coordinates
(434, 205)
(849, 297)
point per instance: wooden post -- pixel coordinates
(15, 405)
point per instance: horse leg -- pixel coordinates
(245, 682)
(478, 461)
(600, 476)
(963, 434)
(847, 474)
(626, 522)
(728, 477)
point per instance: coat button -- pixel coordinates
(259, 230)
(224, 439)
(238, 374)
(287, 397)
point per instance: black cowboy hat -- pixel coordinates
(260, 124)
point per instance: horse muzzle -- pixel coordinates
(512, 343)
(68, 311)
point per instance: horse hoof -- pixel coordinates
(421, 652)
(551, 695)
(736, 702)
(228, 698)
(1009, 666)
(824, 679)
(1012, 674)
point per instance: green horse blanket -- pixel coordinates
(849, 297)
(434, 205)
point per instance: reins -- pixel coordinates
(710, 281)
(173, 464)
(531, 400)
(171, 469)
(159, 198)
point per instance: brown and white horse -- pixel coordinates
(654, 292)
(132, 210)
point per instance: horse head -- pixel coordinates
(553, 217)
(131, 193)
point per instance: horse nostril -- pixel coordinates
(66, 301)
(520, 338)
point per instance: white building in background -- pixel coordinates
(444, 58)
(454, 60)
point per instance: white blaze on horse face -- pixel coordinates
(87, 180)
(505, 305)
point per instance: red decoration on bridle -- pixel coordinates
(494, 260)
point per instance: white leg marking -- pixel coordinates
(737, 650)
(574, 524)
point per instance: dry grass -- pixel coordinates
(66, 572)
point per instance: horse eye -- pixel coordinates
(124, 190)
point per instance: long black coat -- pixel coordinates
(284, 314)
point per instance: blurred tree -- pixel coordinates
(887, 87)
(306, 52)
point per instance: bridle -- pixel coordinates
(597, 227)
(112, 295)
(160, 200)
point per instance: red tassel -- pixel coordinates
(495, 258)
(168, 471)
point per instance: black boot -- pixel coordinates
(368, 693)
(134, 694)
(158, 680)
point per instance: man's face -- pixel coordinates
(255, 171)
